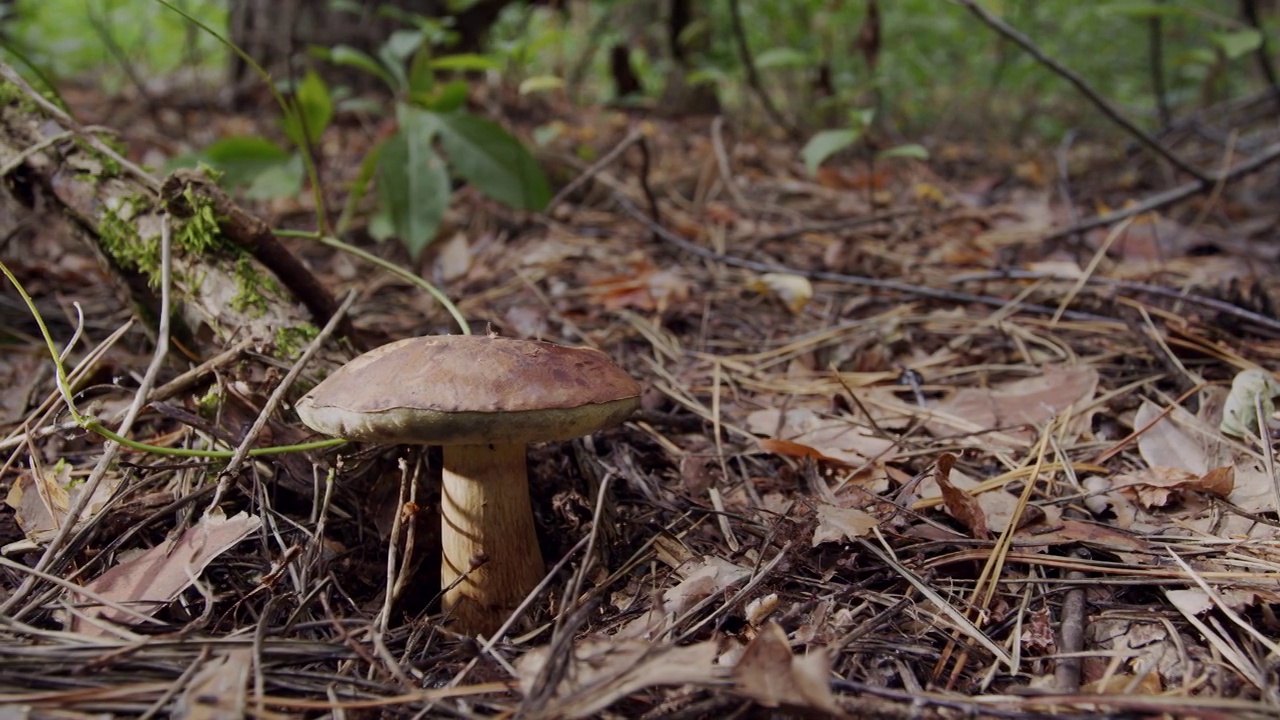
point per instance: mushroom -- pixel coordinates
(483, 398)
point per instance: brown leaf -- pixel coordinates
(157, 576)
(832, 438)
(958, 503)
(1028, 402)
(796, 450)
(1161, 486)
(769, 674)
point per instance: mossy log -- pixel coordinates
(230, 278)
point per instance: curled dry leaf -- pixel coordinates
(1249, 390)
(646, 289)
(769, 674)
(1161, 486)
(1173, 439)
(958, 503)
(1192, 444)
(702, 579)
(219, 688)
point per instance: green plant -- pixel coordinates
(413, 174)
(826, 143)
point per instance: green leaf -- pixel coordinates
(412, 182)
(1237, 44)
(283, 179)
(446, 98)
(914, 151)
(466, 62)
(402, 44)
(310, 112)
(422, 77)
(351, 57)
(825, 144)
(781, 57)
(485, 155)
(241, 159)
(395, 66)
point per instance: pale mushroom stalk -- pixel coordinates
(488, 535)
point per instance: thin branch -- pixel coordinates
(1107, 108)
(749, 65)
(667, 236)
(1169, 197)
(1249, 8)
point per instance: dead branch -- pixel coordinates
(1071, 76)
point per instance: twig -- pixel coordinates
(277, 395)
(585, 176)
(1132, 286)
(1111, 111)
(749, 65)
(893, 285)
(835, 225)
(9, 74)
(722, 161)
(51, 557)
(1169, 197)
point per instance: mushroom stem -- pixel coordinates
(488, 535)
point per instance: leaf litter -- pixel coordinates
(841, 497)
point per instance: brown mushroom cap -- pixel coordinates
(471, 390)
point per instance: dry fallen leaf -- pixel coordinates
(1174, 440)
(813, 435)
(1249, 389)
(769, 674)
(839, 524)
(41, 499)
(1028, 402)
(218, 689)
(605, 670)
(702, 579)
(156, 576)
(958, 503)
(1192, 443)
(1161, 486)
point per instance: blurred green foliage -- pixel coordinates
(939, 69)
(69, 38)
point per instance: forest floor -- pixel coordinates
(906, 449)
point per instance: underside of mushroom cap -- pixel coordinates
(464, 389)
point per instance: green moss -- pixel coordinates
(252, 286)
(290, 341)
(207, 405)
(12, 96)
(199, 234)
(122, 242)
